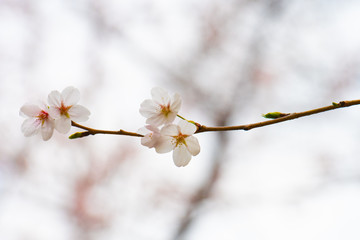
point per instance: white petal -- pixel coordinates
(30, 127)
(143, 131)
(70, 96)
(54, 98)
(170, 130)
(156, 120)
(175, 103)
(153, 128)
(63, 124)
(160, 96)
(150, 140)
(79, 113)
(165, 144)
(47, 130)
(146, 141)
(151, 135)
(187, 128)
(54, 112)
(192, 145)
(30, 110)
(44, 106)
(149, 108)
(170, 117)
(181, 156)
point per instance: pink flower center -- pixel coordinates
(64, 110)
(43, 116)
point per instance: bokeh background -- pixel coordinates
(231, 61)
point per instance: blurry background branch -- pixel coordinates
(217, 34)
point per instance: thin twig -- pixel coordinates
(92, 131)
(342, 104)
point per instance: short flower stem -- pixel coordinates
(181, 117)
(203, 128)
(190, 121)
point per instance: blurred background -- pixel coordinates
(231, 61)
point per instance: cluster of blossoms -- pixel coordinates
(57, 114)
(162, 110)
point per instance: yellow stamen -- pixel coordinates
(180, 139)
(64, 110)
(165, 110)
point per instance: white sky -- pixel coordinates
(295, 180)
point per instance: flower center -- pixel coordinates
(180, 139)
(165, 110)
(43, 116)
(64, 110)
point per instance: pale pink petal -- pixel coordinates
(165, 144)
(170, 130)
(54, 112)
(79, 113)
(30, 110)
(143, 131)
(187, 128)
(150, 140)
(148, 108)
(63, 124)
(160, 96)
(43, 106)
(156, 120)
(175, 103)
(54, 98)
(30, 127)
(151, 135)
(160, 119)
(71, 96)
(153, 128)
(47, 130)
(192, 145)
(147, 141)
(181, 156)
(170, 117)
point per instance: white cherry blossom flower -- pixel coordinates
(64, 108)
(151, 136)
(38, 121)
(161, 109)
(179, 138)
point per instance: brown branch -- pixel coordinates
(287, 117)
(92, 131)
(202, 128)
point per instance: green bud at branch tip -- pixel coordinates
(77, 135)
(274, 115)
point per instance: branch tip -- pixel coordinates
(79, 135)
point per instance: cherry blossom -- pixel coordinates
(179, 139)
(151, 136)
(161, 109)
(38, 121)
(63, 108)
